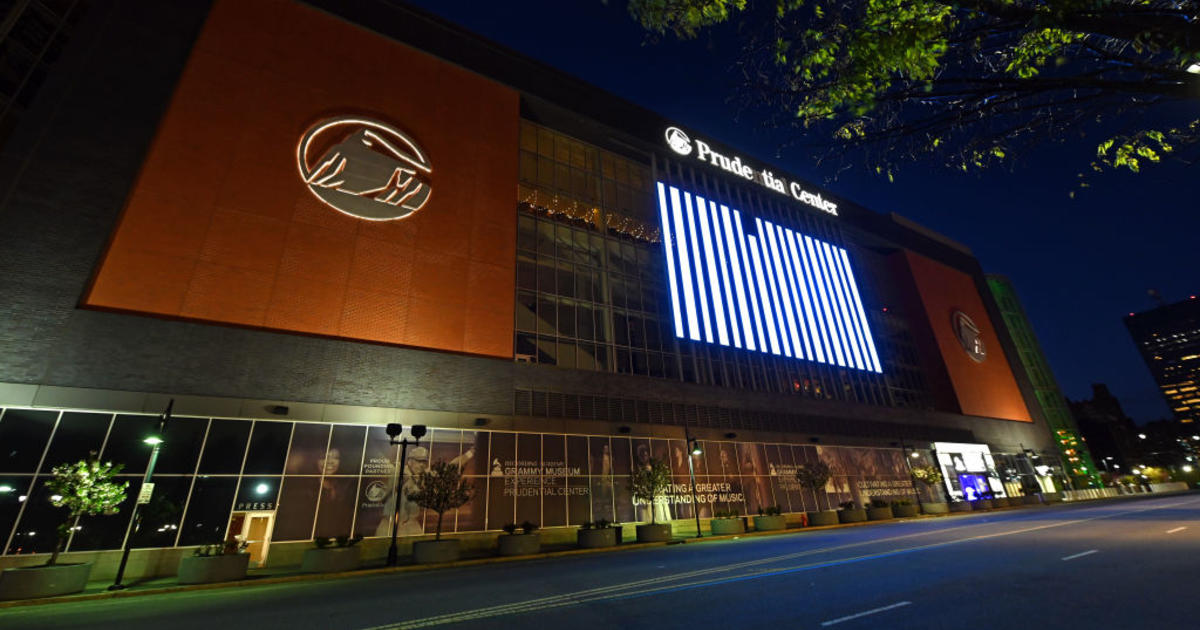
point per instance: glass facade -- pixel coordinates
(332, 479)
(593, 292)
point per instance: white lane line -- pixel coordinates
(1080, 555)
(863, 613)
(1177, 529)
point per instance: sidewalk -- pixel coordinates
(280, 575)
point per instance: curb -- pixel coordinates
(316, 577)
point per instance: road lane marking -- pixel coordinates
(1177, 529)
(864, 613)
(659, 586)
(1080, 555)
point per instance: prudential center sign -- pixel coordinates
(682, 144)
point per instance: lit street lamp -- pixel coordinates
(693, 451)
(393, 431)
(155, 440)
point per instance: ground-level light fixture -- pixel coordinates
(1141, 436)
(1186, 468)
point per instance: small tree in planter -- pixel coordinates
(648, 484)
(441, 488)
(814, 476)
(929, 476)
(84, 488)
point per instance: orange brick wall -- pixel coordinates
(220, 226)
(986, 389)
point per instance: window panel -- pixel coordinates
(24, 433)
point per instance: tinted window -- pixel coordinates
(13, 491)
(268, 448)
(160, 517)
(181, 446)
(125, 442)
(345, 451)
(297, 504)
(23, 435)
(208, 512)
(308, 449)
(257, 493)
(36, 529)
(225, 447)
(78, 434)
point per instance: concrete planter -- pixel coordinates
(44, 581)
(960, 506)
(1000, 502)
(596, 538)
(770, 523)
(1052, 497)
(981, 504)
(727, 526)
(1031, 499)
(822, 518)
(519, 544)
(433, 551)
(905, 511)
(209, 569)
(331, 560)
(660, 532)
(879, 514)
(935, 508)
(856, 515)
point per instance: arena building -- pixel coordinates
(302, 221)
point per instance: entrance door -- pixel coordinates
(255, 529)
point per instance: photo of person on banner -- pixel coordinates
(411, 523)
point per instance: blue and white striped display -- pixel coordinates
(773, 290)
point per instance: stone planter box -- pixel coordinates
(879, 514)
(822, 518)
(596, 538)
(209, 569)
(770, 523)
(981, 504)
(331, 559)
(43, 581)
(1000, 502)
(1053, 497)
(434, 551)
(935, 508)
(660, 532)
(960, 506)
(727, 526)
(1031, 499)
(519, 544)
(906, 511)
(856, 515)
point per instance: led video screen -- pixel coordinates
(760, 286)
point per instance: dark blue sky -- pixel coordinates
(1079, 264)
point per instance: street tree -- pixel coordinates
(970, 83)
(649, 483)
(814, 476)
(441, 488)
(84, 488)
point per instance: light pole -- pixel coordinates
(393, 431)
(155, 440)
(693, 451)
(908, 465)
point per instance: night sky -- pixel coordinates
(1079, 264)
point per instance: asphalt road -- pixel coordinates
(1112, 565)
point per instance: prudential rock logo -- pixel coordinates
(364, 168)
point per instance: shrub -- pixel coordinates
(878, 503)
(604, 524)
(586, 525)
(900, 502)
(649, 483)
(85, 488)
(848, 505)
(770, 510)
(510, 528)
(529, 527)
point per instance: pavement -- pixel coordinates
(1103, 564)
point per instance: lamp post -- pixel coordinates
(155, 440)
(693, 451)
(908, 465)
(393, 431)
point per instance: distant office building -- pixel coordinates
(1169, 339)
(1076, 458)
(1110, 434)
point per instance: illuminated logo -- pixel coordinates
(364, 168)
(679, 141)
(760, 286)
(376, 492)
(682, 144)
(968, 336)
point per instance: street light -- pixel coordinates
(1141, 436)
(393, 431)
(154, 440)
(694, 451)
